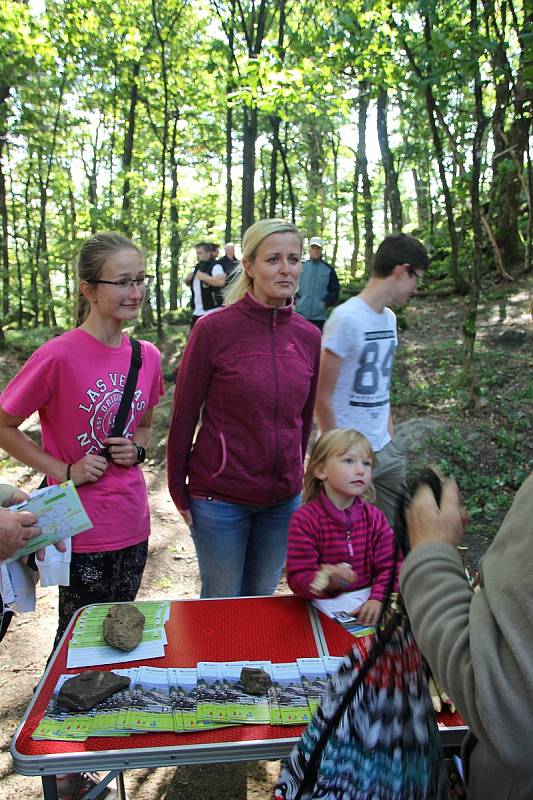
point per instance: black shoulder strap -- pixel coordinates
(129, 388)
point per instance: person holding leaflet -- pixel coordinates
(338, 541)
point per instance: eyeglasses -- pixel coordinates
(415, 272)
(125, 284)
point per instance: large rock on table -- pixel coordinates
(255, 680)
(123, 626)
(86, 690)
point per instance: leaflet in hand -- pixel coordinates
(59, 512)
(341, 609)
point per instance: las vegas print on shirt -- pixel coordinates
(101, 407)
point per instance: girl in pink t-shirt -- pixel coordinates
(75, 382)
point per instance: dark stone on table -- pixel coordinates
(255, 680)
(89, 688)
(123, 626)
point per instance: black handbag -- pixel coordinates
(127, 394)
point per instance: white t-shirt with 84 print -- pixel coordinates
(366, 342)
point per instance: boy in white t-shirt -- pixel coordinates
(358, 351)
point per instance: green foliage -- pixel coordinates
(25, 342)
(489, 452)
(78, 75)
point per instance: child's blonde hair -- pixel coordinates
(335, 442)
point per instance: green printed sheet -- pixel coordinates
(240, 706)
(59, 512)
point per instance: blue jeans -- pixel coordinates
(241, 549)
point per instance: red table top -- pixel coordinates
(263, 628)
(266, 628)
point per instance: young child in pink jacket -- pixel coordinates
(339, 542)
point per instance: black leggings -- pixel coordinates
(109, 577)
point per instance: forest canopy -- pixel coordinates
(180, 120)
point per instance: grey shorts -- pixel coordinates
(389, 479)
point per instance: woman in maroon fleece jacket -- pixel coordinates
(250, 372)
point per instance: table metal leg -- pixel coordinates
(97, 790)
(49, 787)
(121, 790)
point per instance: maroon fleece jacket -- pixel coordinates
(251, 371)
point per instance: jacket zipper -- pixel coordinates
(348, 533)
(276, 401)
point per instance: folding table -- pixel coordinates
(280, 628)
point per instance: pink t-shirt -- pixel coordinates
(75, 382)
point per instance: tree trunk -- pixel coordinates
(164, 146)
(92, 188)
(230, 85)
(509, 145)
(175, 237)
(423, 202)
(41, 244)
(4, 245)
(458, 280)
(15, 233)
(71, 232)
(469, 324)
(528, 262)
(273, 193)
(41, 257)
(254, 29)
(433, 112)
(127, 155)
(363, 172)
(229, 180)
(314, 210)
(248, 166)
(264, 193)
(335, 144)
(34, 292)
(355, 218)
(112, 138)
(386, 222)
(275, 121)
(282, 150)
(391, 178)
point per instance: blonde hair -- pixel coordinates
(335, 442)
(240, 282)
(93, 254)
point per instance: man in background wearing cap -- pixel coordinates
(358, 349)
(319, 286)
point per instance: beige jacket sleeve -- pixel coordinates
(480, 645)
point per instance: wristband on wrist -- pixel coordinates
(141, 453)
